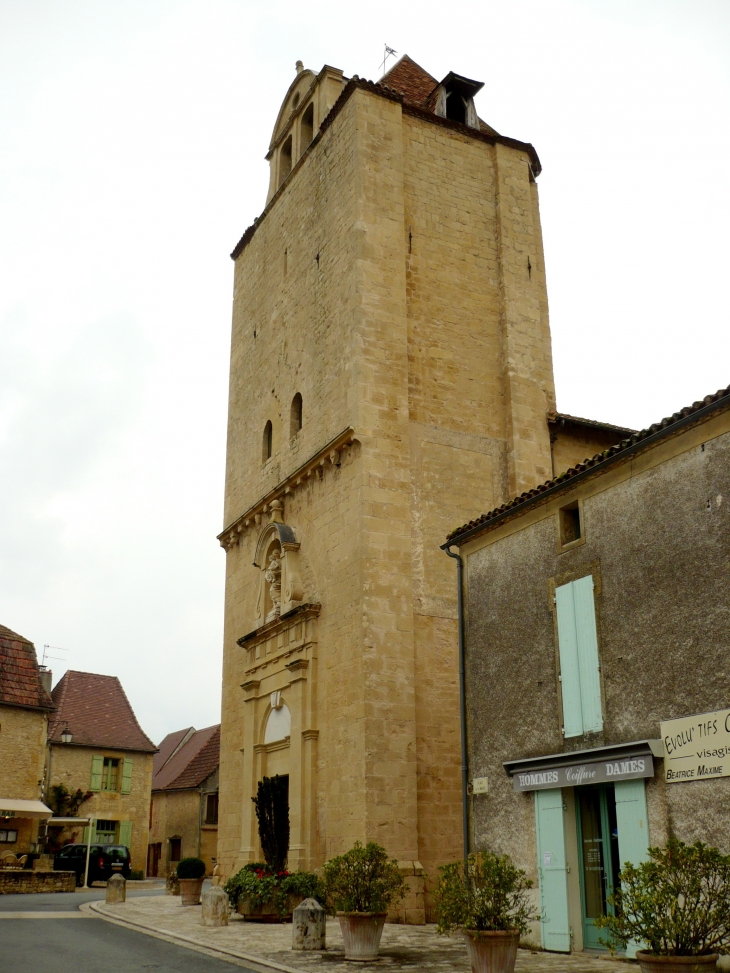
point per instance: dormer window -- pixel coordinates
(455, 100)
(455, 107)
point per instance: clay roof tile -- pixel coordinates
(20, 683)
(97, 712)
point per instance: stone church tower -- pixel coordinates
(391, 375)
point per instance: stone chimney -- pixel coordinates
(46, 677)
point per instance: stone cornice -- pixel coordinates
(300, 613)
(330, 453)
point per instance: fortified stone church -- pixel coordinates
(391, 374)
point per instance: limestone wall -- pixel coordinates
(14, 881)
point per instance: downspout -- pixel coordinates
(462, 704)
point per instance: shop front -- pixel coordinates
(590, 818)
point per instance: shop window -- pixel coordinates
(8, 837)
(570, 523)
(175, 849)
(110, 776)
(306, 130)
(106, 832)
(580, 681)
(211, 809)
(268, 444)
(285, 160)
(296, 415)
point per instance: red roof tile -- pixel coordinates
(97, 712)
(20, 683)
(710, 404)
(196, 759)
(168, 747)
(410, 79)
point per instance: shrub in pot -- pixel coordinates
(676, 905)
(190, 874)
(258, 893)
(361, 885)
(491, 905)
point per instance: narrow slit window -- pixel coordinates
(268, 444)
(285, 160)
(296, 415)
(307, 126)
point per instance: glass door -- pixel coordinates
(598, 856)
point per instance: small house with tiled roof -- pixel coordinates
(184, 818)
(25, 705)
(109, 758)
(594, 616)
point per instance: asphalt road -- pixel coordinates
(72, 943)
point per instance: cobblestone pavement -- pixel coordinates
(402, 947)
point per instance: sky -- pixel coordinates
(132, 143)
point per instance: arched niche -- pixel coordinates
(277, 560)
(278, 724)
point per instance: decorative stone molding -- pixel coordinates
(329, 456)
(272, 643)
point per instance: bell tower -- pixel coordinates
(391, 374)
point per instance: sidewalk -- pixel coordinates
(268, 947)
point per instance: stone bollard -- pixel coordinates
(216, 880)
(309, 926)
(172, 885)
(216, 907)
(116, 890)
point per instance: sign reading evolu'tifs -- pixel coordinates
(697, 747)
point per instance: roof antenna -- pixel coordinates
(389, 52)
(56, 648)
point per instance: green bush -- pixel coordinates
(136, 875)
(363, 880)
(191, 868)
(492, 897)
(257, 884)
(675, 904)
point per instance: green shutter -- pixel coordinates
(126, 776)
(86, 835)
(125, 833)
(97, 769)
(633, 829)
(553, 870)
(587, 640)
(569, 664)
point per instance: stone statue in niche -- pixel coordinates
(273, 578)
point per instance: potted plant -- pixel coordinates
(491, 905)
(258, 893)
(676, 906)
(190, 874)
(361, 885)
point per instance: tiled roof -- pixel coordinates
(196, 759)
(695, 412)
(97, 712)
(565, 417)
(168, 746)
(411, 81)
(20, 683)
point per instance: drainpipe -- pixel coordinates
(462, 704)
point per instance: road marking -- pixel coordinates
(44, 915)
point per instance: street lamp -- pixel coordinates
(66, 736)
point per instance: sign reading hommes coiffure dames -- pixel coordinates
(697, 747)
(593, 772)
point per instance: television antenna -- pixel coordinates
(388, 52)
(54, 648)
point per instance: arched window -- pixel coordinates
(268, 441)
(285, 160)
(296, 415)
(307, 126)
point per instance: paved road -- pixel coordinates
(59, 938)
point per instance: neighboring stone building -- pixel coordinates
(25, 704)
(184, 818)
(110, 755)
(598, 664)
(390, 369)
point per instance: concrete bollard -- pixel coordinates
(309, 926)
(216, 907)
(172, 885)
(116, 890)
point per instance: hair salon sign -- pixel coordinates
(697, 747)
(594, 772)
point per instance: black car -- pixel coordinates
(72, 858)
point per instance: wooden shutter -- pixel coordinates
(552, 869)
(126, 776)
(633, 830)
(569, 664)
(97, 769)
(587, 641)
(125, 833)
(86, 835)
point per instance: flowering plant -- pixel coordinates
(259, 885)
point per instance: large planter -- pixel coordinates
(361, 932)
(651, 963)
(266, 911)
(190, 889)
(491, 952)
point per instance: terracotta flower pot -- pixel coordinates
(651, 963)
(492, 952)
(361, 932)
(190, 889)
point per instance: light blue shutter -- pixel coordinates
(126, 776)
(633, 830)
(552, 869)
(587, 640)
(569, 664)
(97, 768)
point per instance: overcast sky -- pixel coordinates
(132, 142)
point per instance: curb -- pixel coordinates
(256, 963)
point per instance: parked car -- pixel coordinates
(72, 858)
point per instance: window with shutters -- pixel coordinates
(580, 681)
(110, 776)
(106, 832)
